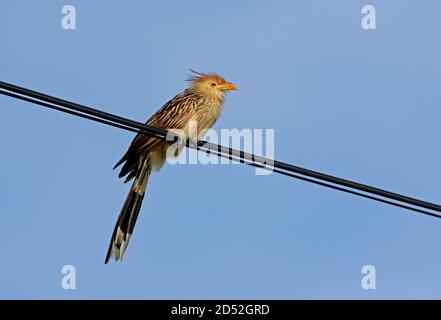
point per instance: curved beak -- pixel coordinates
(228, 86)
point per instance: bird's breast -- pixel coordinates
(206, 115)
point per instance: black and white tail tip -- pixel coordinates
(124, 226)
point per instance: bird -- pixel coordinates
(200, 103)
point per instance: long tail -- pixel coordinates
(129, 213)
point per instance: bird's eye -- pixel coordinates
(213, 84)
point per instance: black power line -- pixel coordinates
(328, 185)
(222, 151)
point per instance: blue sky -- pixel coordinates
(362, 105)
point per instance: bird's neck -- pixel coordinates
(209, 98)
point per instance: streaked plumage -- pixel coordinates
(201, 102)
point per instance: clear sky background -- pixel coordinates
(362, 105)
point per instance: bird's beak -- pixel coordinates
(228, 86)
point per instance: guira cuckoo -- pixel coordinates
(200, 103)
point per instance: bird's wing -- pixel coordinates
(175, 114)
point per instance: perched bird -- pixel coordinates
(200, 103)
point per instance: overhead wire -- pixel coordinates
(254, 160)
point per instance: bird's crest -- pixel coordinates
(197, 77)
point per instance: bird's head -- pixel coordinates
(210, 84)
